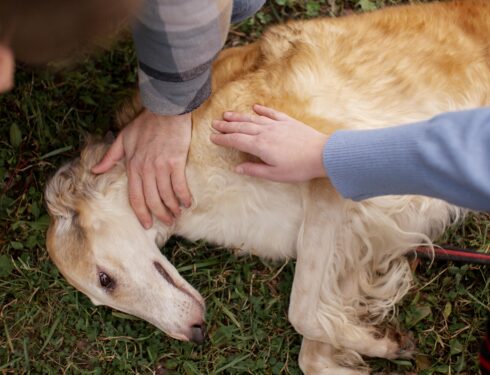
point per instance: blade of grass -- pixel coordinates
(233, 363)
(56, 152)
(51, 332)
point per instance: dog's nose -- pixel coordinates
(198, 333)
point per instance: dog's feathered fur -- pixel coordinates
(389, 67)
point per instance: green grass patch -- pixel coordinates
(48, 327)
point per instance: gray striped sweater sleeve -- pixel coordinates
(176, 42)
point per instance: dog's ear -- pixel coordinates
(66, 238)
(93, 184)
(92, 153)
(60, 194)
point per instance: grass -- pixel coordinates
(48, 327)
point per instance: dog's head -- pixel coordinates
(100, 247)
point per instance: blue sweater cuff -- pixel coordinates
(368, 163)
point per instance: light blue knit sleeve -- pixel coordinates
(447, 157)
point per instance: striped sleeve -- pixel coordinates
(176, 42)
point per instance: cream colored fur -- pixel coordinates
(373, 70)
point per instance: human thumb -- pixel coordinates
(113, 155)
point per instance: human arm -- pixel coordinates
(176, 42)
(447, 157)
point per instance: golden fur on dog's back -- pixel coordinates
(380, 69)
(426, 53)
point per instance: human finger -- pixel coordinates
(242, 142)
(7, 68)
(245, 117)
(137, 199)
(166, 193)
(179, 184)
(111, 157)
(153, 200)
(236, 127)
(270, 113)
(256, 170)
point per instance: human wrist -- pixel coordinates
(319, 168)
(167, 120)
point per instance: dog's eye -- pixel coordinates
(105, 281)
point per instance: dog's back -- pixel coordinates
(384, 68)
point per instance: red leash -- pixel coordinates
(464, 256)
(453, 253)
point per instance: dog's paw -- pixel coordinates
(404, 341)
(398, 344)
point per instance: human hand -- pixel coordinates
(155, 148)
(290, 150)
(7, 67)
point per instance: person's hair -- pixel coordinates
(39, 31)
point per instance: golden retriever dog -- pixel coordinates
(393, 66)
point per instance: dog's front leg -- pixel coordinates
(316, 246)
(318, 358)
(320, 307)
